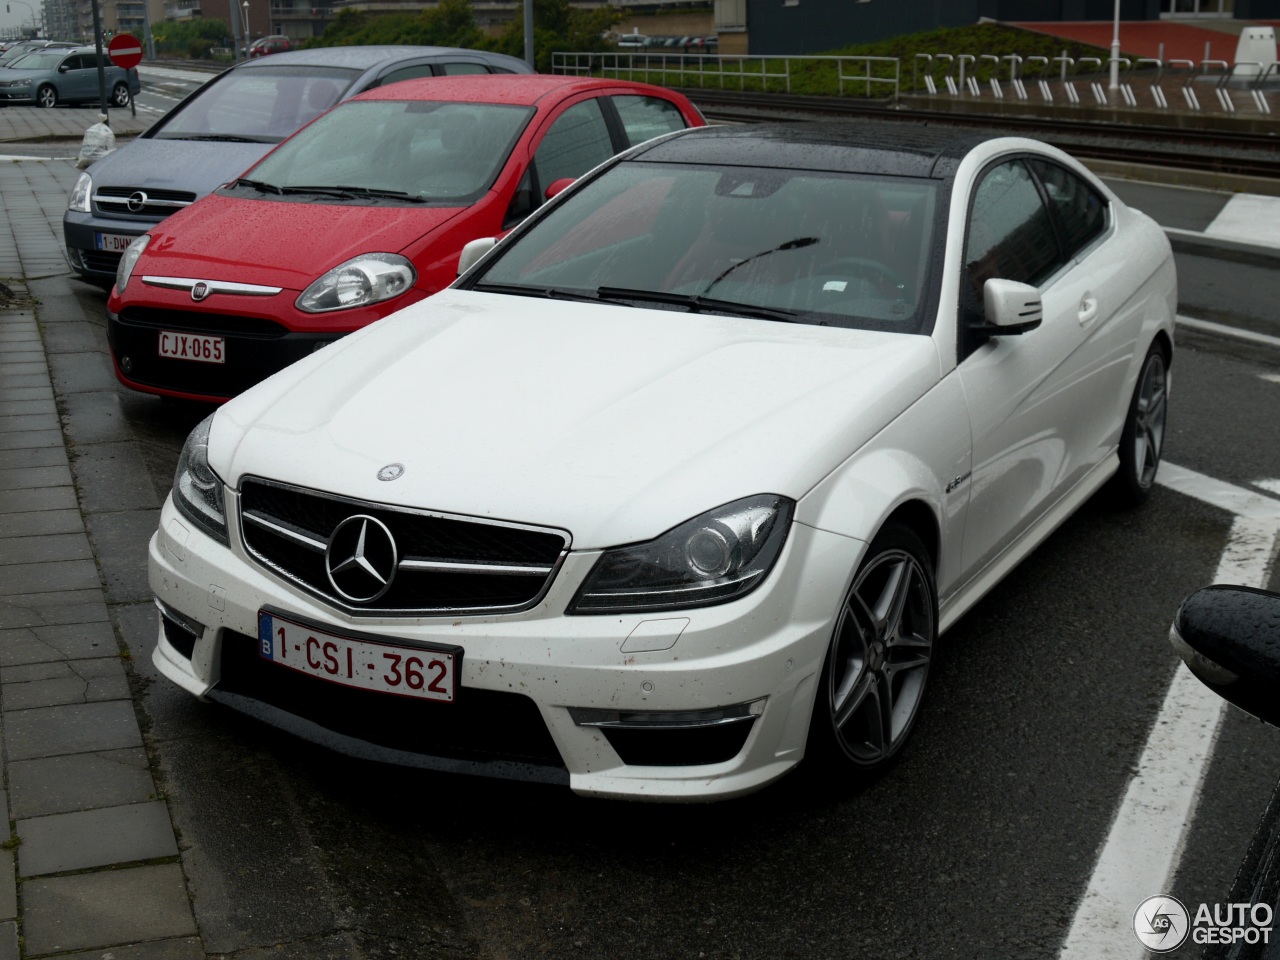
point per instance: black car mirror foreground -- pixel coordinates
(1230, 638)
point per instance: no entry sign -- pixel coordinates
(125, 50)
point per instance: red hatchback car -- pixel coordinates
(355, 216)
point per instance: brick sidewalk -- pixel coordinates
(93, 862)
(35, 124)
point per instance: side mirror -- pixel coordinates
(473, 251)
(1011, 308)
(63, 67)
(1230, 638)
(558, 186)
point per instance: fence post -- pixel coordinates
(995, 75)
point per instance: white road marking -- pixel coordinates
(1148, 836)
(1248, 218)
(1272, 486)
(1208, 326)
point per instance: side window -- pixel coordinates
(644, 118)
(576, 142)
(1010, 232)
(462, 69)
(411, 72)
(75, 62)
(1081, 210)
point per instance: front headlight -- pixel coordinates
(129, 259)
(197, 490)
(719, 556)
(368, 278)
(79, 201)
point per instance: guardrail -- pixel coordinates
(1139, 82)
(871, 77)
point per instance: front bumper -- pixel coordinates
(542, 696)
(80, 234)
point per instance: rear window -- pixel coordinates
(262, 104)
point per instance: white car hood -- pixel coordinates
(611, 422)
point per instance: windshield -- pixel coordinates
(806, 246)
(260, 104)
(39, 61)
(444, 152)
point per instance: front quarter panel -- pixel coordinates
(911, 461)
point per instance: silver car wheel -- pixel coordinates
(1149, 417)
(880, 654)
(120, 95)
(46, 96)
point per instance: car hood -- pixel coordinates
(283, 244)
(193, 166)
(614, 423)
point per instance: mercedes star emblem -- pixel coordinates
(392, 471)
(361, 559)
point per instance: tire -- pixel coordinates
(120, 95)
(47, 96)
(877, 664)
(1142, 439)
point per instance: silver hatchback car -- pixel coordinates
(224, 128)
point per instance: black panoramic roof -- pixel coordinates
(897, 148)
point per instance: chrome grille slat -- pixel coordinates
(448, 564)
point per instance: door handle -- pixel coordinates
(1088, 310)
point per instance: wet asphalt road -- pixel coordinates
(978, 843)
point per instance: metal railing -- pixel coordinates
(871, 77)
(1057, 80)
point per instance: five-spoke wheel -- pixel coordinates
(878, 660)
(47, 96)
(120, 95)
(1143, 437)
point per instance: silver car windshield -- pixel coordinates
(806, 246)
(263, 104)
(39, 61)
(429, 151)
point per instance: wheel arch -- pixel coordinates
(918, 517)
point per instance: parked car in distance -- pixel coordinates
(1229, 637)
(23, 47)
(681, 481)
(266, 46)
(359, 214)
(225, 127)
(57, 75)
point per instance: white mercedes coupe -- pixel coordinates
(681, 481)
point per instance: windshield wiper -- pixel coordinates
(219, 138)
(546, 293)
(698, 304)
(260, 185)
(374, 192)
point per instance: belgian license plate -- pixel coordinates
(192, 346)
(113, 242)
(427, 673)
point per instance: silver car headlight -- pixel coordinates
(197, 490)
(368, 278)
(719, 556)
(129, 259)
(80, 193)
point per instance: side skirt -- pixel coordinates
(958, 604)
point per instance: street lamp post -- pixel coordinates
(246, 24)
(35, 24)
(1115, 50)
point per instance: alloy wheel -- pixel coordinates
(1149, 417)
(880, 657)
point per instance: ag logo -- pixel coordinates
(1161, 923)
